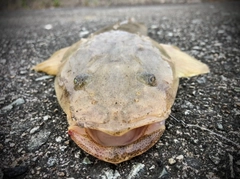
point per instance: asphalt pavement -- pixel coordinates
(203, 143)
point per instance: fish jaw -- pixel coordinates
(147, 136)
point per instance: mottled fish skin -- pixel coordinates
(117, 88)
(117, 69)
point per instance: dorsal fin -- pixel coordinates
(129, 25)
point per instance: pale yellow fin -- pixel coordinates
(51, 65)
(185, 65)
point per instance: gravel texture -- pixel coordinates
(203, 143)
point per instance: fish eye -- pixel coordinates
(147, 78)
(80, 81)
(151, 80)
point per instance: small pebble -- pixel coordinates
(34, 159)
(163, 173)
(195, 141)
(33, 130)
(66, 142)
(152, 167)
(109, 174)
(38, 168)
(58, 139)
(77, 154)
(180, 157)
(170, 34)
(86, 161)
(196, 48)
(17, 102)
(187, 112)
(48, 26)
(7, 140)
(171, 161)
(83, 33)
(11, 144)
(62, 148)
(46, 77)
(23, 72)
(61, 174)
(45, 118)
(201, 80)
(154, 26)
(51, 161)
(23, 152)
(38, 139)
(7, 108)
(219, 126)
(156, 154)
(237, 89)
(24, 134)
(135, 170)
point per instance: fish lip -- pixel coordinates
(117, 154)
(118, 128)
(107, 140)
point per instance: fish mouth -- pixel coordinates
(108, 140)
(116, 149)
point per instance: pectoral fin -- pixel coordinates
(185, 65)
(52, 65)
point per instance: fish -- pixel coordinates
(117, 87)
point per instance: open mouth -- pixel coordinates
(105, 139)
(116, 149)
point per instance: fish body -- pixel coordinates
(117, 88)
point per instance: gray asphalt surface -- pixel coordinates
(33, 129)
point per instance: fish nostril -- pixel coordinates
(136, 100)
